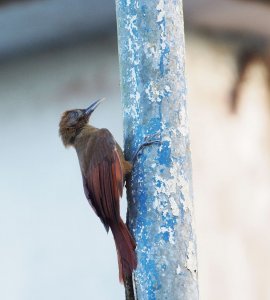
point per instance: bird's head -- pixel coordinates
(72, 121)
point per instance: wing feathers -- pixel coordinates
(103, 185)
(104, 176)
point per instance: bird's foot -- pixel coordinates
(148, 140)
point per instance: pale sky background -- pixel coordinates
(52, 244)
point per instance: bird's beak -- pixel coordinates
(93, 106)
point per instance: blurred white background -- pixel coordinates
(52, 246)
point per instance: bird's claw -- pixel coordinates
(148, 140)
(152, 137)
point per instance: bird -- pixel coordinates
(104, 170)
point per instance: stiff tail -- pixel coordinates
(125, 247)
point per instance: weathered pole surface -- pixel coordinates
(153, 86)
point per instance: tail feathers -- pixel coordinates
(125, 246)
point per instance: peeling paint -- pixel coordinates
(151, 51)
(152, 92)
(161, 12)
(174, 207)
(191, 262)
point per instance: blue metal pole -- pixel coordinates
(153, 86)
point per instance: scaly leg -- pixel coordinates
(148, 140)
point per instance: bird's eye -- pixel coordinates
(74, 114)
(74, 117)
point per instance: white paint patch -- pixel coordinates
(132, 44)
(156, 203)
(130, 49)
(133, 75)
(152, 92)
(165, 213)
(162, 37)
(183, 123)
(161, 11)
(187, 197)
(174, 207)
(132, 110)
(138, 96)
(163, 125)
(191, 259)
(131, 24)
(168, 88)
(166, 137)
(171, 185)
(187, 204)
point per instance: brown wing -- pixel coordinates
(103, 178)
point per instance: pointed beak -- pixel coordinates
(93, 106)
